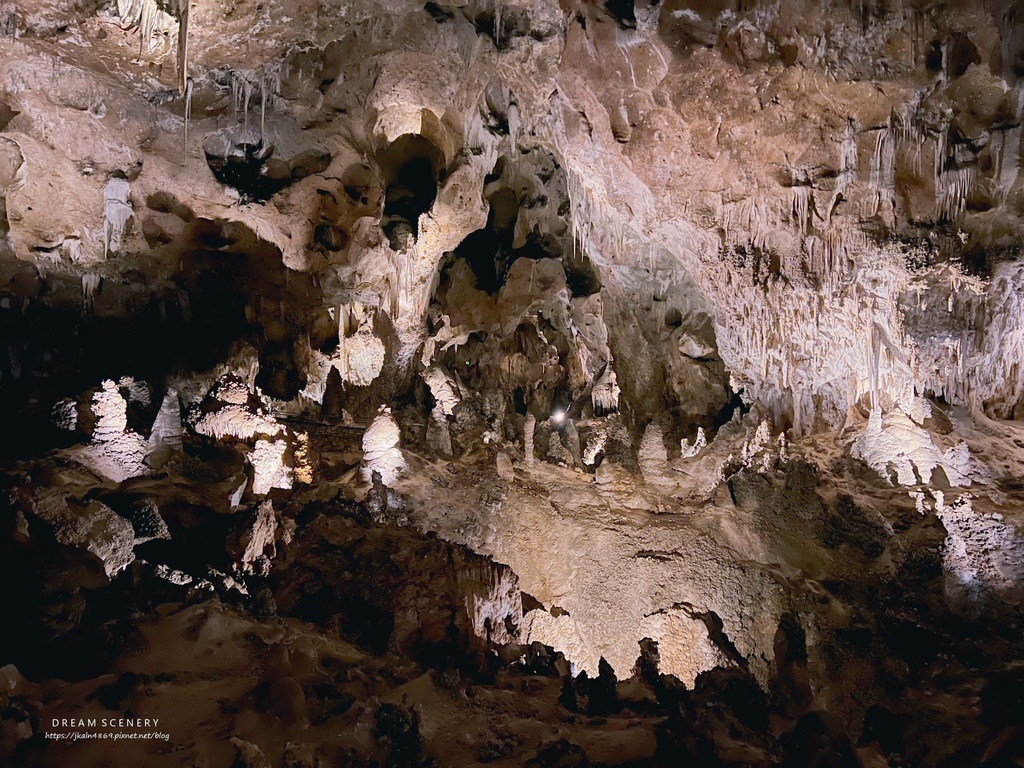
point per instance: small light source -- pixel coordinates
(558, 417)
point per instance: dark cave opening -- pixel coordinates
(411, 166)
(249, 164)
(246, 168)
(624, 12)
(491, 251)
(582, 276)
(502, 26)
(481, 251)
(735, 406)
(934, 57)
(961, 53)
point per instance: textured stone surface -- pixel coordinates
(702, 319)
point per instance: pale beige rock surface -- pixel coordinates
(702, 319)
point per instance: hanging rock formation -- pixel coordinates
(425, 363)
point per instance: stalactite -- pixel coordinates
(146, 16)
(847, 157)
(497, 23)
(141, 14)
(90, 284)
(881, 181)
(953, 191)
(245, 84)
(184, 84)
(513, 127)
(263, 109)
(246, 96)
(117, 210)
(803, 206)
(941, 154)
(188, 109)
(1007, 144)
(342, 363)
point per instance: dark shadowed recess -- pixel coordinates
(250, 165)
(226, 286)
(412, 167)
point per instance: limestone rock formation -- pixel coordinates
(255, 543)
(381, 452)
(378, 379)
(165, 435)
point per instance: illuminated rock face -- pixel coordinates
(381, 452)
(757, 213)
(703, 319)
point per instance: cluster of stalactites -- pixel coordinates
(147, 15)
(247, 85)
(905, 135)
(808, 347)
(975, 361)
(599, 232)
(799, 341)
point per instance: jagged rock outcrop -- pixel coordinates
(254, 545)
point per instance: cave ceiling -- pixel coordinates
(403, 369)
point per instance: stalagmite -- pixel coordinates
(268, 466)
(529, 427)
(65, 414)
(115, 451)
(166, 432)
(111, 411)
(595, 445)
(302, 471)
(137, 391)
(504, 467)
(438, 434)
(981, 554)
(257, 540)
(652, 455)
(700, 442)
(894, 442)
(381, 451)
(443, 388)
